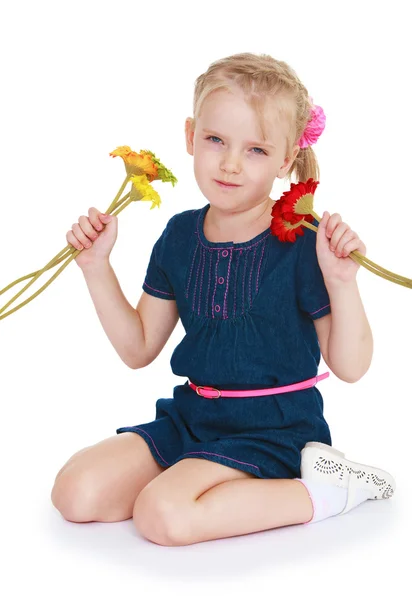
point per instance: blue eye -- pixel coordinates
(214, 137)
(260, 150)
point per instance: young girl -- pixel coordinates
(256, 311)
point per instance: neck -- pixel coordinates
(238, 225)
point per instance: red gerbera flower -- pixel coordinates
(293, 209)
(282, 229)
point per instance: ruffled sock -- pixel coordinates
(329, 500)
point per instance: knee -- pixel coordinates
(158, 521)
(73, 495)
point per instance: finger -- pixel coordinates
(324, 220)
(88, 228)
(73, 241)
(351, 246)
(334, 220)
(97, 218)
(81, 236)
(348, 236)
(340, 229)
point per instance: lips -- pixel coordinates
(227, 184)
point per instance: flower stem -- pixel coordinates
(119, 193)
(67, 251)
(372, 264)
(372, 267)
(317, 217)
(62, 255)
(405, 282)
(310, 226)
(368, 261)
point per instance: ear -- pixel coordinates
(189, 133)
(288, 162)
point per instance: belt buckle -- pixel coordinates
(205, 387)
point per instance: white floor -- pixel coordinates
(362, 554)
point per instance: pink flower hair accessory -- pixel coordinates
(314, 128)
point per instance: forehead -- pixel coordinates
(231, 113)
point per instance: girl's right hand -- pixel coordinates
(99, 232)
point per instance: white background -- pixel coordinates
(79, 79)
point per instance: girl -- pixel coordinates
(257, 312)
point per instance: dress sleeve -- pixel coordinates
(312, 295)
(157, 283)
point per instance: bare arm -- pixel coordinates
(159, 318)
(138, 335)
(345, 336)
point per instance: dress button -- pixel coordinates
(225, 253)
(221, 280)
(217, 308)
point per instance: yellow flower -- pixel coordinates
(146, 162)
(136, 164)
(163, 173)
(141, 169)
(142, 190)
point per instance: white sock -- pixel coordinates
(329, 500)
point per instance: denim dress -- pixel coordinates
(247, 310)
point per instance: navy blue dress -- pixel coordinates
(247, 310)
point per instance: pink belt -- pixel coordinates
(302, 385)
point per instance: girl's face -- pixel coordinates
(226, 146)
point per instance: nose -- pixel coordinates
(230, 163)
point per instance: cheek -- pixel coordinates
(198, 165)
(261, 175)
(202, 170)
(204, 162)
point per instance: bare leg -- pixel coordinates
(101, 482)
(244, 506)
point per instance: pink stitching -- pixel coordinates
(153, 444)
(316, 311)
(210, 301)
(195, 288)
(232, 247)
(237, 265)
(250, 277)
(160, 291)
(208, 285)
(244, 277)
(227, 286)
(227, 457)
(214, 292)
(191, 269)
(203, 260)
(260, 263)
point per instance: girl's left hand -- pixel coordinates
(334, 242)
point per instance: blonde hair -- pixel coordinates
(260, 77)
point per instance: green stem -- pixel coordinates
(359, 259)
(310, 226)
(67, 251)
(119, 193)
(407, 283)
(62, 255)
(370, 262)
